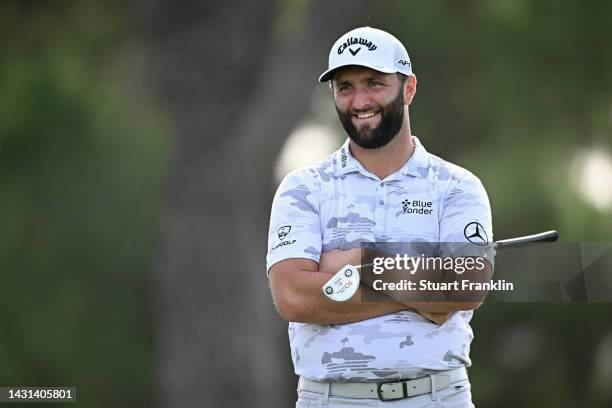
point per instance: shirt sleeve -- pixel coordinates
(295, 226)
(466, 226)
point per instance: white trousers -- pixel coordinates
(456, 395)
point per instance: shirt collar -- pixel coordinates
(419, 161)
(345, 162)
(415, 166)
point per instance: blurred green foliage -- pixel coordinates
(80, 181)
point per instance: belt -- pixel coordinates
(386, 390)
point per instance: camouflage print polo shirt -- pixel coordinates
(337, 204)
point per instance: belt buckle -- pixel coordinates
(379, 390)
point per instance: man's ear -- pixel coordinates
(331, 88)
(409, 89)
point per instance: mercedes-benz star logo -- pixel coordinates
(476, 234)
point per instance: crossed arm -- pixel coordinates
(296, 288)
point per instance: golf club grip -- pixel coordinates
(548, 236)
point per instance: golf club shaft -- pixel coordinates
(547, 236)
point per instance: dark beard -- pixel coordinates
(392, 118)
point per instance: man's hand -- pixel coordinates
(332, 261)
(437, 318)
(437, 304)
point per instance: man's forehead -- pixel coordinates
(355, 72)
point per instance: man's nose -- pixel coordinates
(361, 100)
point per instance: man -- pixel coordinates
(357, 353)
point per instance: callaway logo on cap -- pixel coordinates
(368, 47)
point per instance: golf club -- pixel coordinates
(344, 284)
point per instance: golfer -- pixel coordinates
(380, 186)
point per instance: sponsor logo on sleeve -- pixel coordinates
(476, 233)
(282, 233)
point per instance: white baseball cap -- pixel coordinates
(368, 47)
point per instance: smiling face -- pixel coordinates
(370, 105)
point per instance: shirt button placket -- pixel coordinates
(379, 212)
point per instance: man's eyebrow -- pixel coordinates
(343, 82)
(374, 78)
(366, 79)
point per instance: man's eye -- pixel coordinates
(343, 87)
(374, 83)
